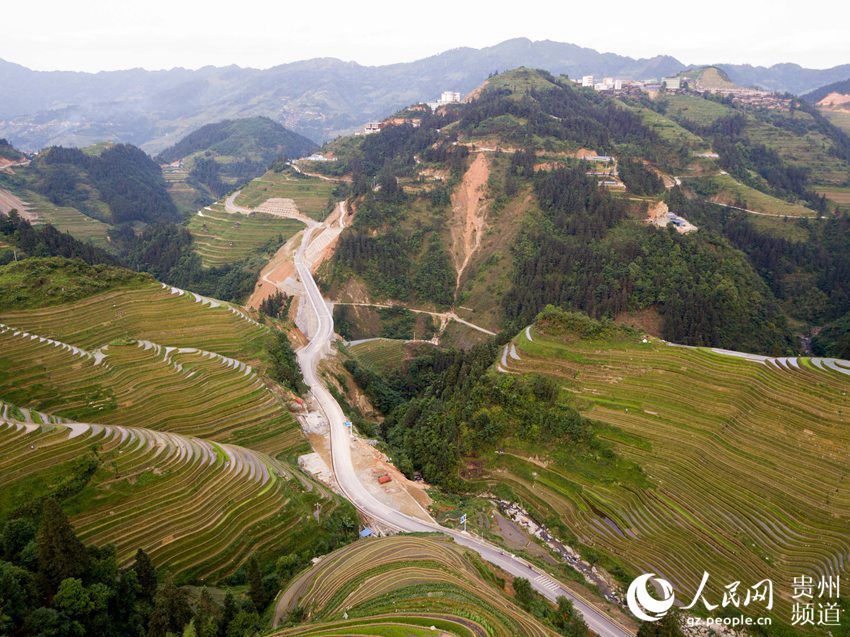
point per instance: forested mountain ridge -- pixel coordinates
(842, 87)
(114, 184)
(250, 138)
(319, 98)
(9, 152)
(223, 155)
(536, 192)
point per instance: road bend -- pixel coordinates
(308, 358)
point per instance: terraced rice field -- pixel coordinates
(311, 195)
(222, 237)
(385, 354)
(695, 109)
(181, 191)
(164, 391)
(732, 189)
(746, 460)
(810, 151)
(153, 312)
(404, 585)
(841, 119)
(197, 506)
(667, 129)
(839, 196)
(113, 359)
(69, 220)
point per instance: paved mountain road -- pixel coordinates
(308, 358)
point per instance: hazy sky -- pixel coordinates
(94, 35)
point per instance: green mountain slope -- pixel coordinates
(639, 454)
(9, 152)
(732, 475)
(428, 584)
(254, 138)
(164, 396)
(218, 157)
(112, 184)
(494, 208)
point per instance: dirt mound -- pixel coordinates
(836, 100)
(658, 213)
(8, 202)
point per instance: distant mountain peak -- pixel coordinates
(319, 98)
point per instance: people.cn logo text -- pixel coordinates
(643, 604)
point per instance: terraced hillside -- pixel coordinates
(311, 195)
(224, 237)
(149, 356)
(405, 586)
(200, 507)
(66, 218)
(385, 354)
(146, 411)
(730, 191)
(744, 458)
(221, 156)
(259, 218)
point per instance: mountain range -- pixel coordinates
(319, 98)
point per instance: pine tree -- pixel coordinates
(60, 553)
(171, 610)
(255, 584)
(207, 614)
(228, 612)
(146, 574)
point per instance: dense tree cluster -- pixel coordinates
(275, 305)
(395, 265)
(128, 181)
(559, 112)
(51, 585)
(574, 203)
(639, 178)
(446, 406)
(811, 277)
(705, 290)
(165, 251)
(396, 146)
(563, 617)
(284, 365)
(206, 172)
(46, 241)
(834, 339)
